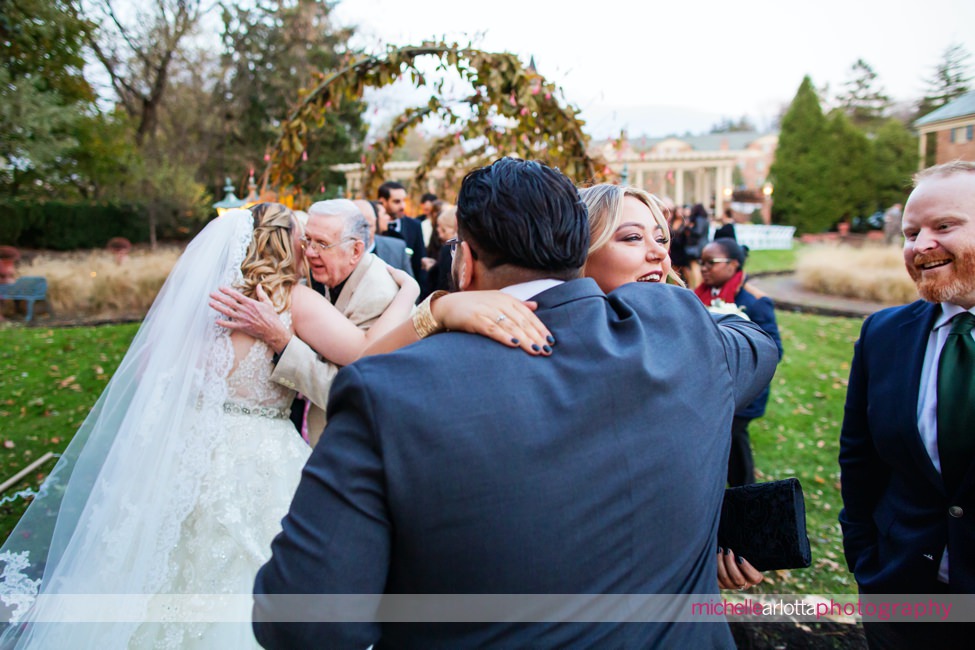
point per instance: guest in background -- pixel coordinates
(696, 227)
(727, 228)
(393, 197)
(389, 249)
(435, 242)
(447, 231)
(426, 217)
(724, 279)
(678, 254)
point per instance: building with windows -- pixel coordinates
(948, 133)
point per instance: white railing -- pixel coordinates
(761, 238)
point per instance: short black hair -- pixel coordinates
(526, 214)
(429, 196)
(732, 249)
(386, 188)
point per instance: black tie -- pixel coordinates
(956, 402)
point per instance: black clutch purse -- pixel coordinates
(765, 523)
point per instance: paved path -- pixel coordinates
(785, 291)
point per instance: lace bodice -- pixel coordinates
(249, 385)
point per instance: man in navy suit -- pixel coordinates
(393, 197)
(908, 524)
(590, 471)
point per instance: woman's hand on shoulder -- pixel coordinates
(497, 316)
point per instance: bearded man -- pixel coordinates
(908, 437)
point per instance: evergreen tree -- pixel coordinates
(951, 78)
(802, 192)
(273, 50)
(851, 170)
(895, 160)
(862, 100)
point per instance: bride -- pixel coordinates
(171, 491)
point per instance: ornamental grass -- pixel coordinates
(876, 273)
(94, 284)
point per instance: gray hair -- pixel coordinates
(355, 226)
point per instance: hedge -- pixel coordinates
(62, 226)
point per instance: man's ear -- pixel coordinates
(465, 267)
(358, 248)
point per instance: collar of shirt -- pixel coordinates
(949, 311)
(372, 246)
(527, 290)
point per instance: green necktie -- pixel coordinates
(956, 401)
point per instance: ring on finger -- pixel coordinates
(743, 587)
(500, 318)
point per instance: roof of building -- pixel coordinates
(708, 142)
(960, 107)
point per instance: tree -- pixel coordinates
(138, 54)
(273, 50)
(43, 92)
(800, 170)
(950, 78)
(727, 125)
(851, 189)
(895, 160)
(862, 100)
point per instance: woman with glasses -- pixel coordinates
(724, 282)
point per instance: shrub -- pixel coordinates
(92, 284)
(876, 274)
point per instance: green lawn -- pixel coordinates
(759, 261)
(49, 378)
(799, 436)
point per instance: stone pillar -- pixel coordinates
(639, 178)
(679, 186)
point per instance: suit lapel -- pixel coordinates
(913, 335)
(342, 304)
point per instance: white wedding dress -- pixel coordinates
(254, 471)
(150, 530)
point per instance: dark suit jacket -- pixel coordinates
(895, 517)
(412, 233)
(392, 250)
(593, 470)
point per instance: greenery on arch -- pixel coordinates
(512, 110)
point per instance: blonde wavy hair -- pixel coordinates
(270, 260)
(605, 205)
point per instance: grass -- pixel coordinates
(764, 261)
(799, 436)
(50, 378)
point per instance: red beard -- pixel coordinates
(945, 287)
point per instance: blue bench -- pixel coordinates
(28, 288)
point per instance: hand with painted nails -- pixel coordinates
(496, 315)
(736, 572)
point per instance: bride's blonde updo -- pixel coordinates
(270, 259)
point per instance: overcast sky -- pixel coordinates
(669, 67)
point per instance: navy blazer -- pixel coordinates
(411, 232)
(592, 471)
(896, 519)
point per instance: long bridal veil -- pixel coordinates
(109, 514)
